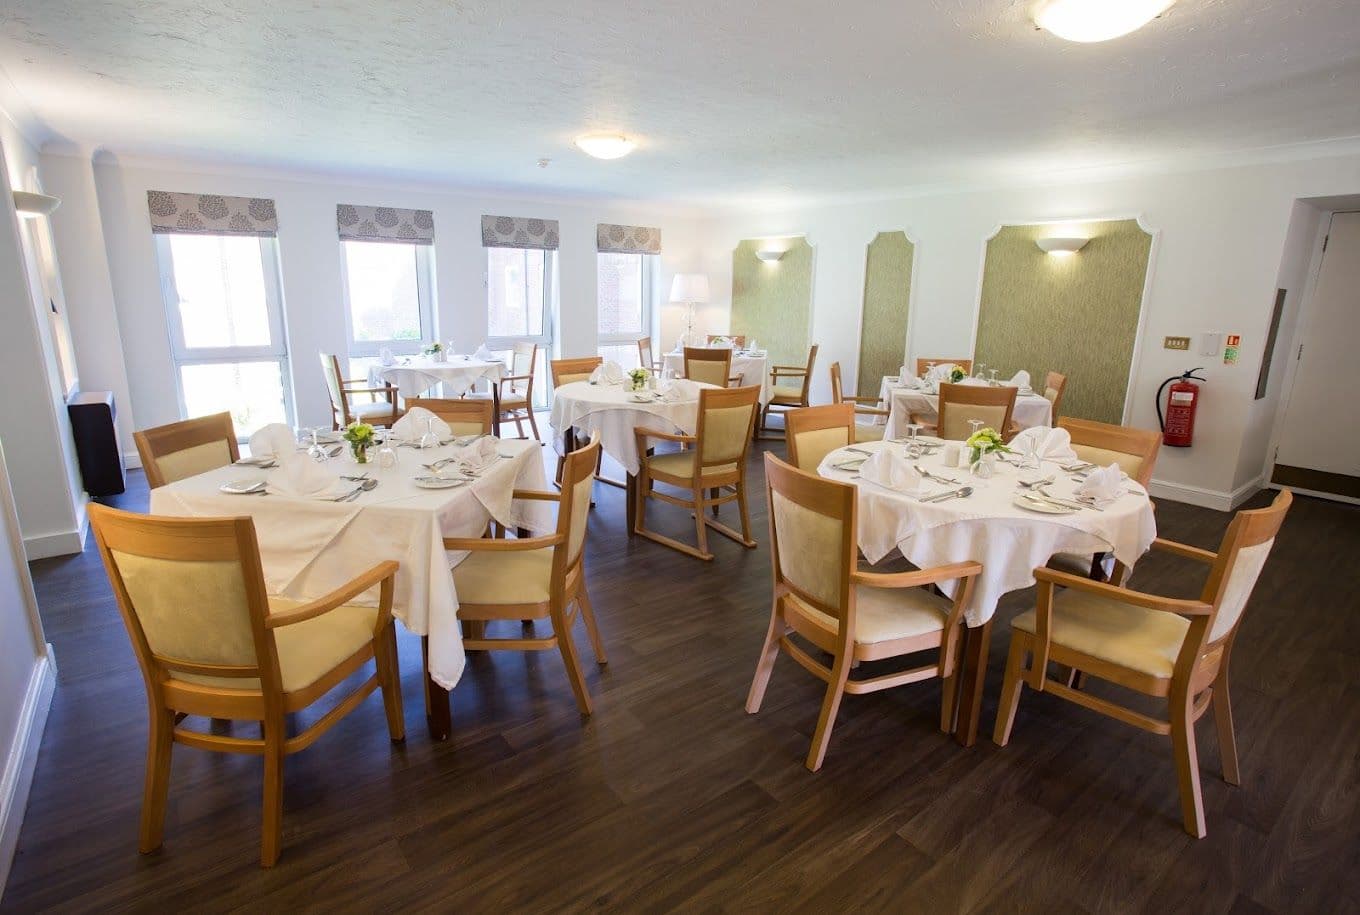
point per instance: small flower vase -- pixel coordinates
(360, 452)
(439, 356)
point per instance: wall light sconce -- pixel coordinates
(31, 204)
(1061, 246)
(769, 255)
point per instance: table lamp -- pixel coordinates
(689, 289)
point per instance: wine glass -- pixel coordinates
(317, 451)
(913, 445)
(387, 453)
(429, 438)
(992, 372)
(930, 367)
(977, 373)
(973, 426)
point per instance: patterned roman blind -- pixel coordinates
(613, 239)
(519, 232)
(211, 214)
(361, 223)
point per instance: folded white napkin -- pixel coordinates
(483, 354)
(273, 439)
(609, 372)
(413, 425)
(300, 477)
(681, 389)
(1104, 484)
(1019, 380)
(891, 469)
(1052, 444)
(386, 357)
(479, 455)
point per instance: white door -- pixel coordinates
(1319, 446)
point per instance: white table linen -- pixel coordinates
(1030, 409)
(987, 527)
(607, 409)
(417, 376)
(752, 369)
(309, 548)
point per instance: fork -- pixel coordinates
(931, 476)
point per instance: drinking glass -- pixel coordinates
(429, 438)
(1030, 460)
(317, 451)
(913, 445)
(387, 453)
(992, 372)
(973, 426)
(977, 372)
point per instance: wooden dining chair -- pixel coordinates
(711, 365)
(864, 432)
(464, 416)
(535, 578)
(186, 448)
(210, 642)
(1174, 649)
(737, 340)
(645, 359)
(566, 371)
(712, 467)
(353, 400)
(516, 391)
(1055, 383)
(814, 432)
(960, 403)
(789, 397)
(922, 365)
(822, 597)
(1103, 444)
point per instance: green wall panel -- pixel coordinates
(772, 302)
(1077, 315)
(887, 291)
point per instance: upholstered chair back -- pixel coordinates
(187, 448)
(814, 432)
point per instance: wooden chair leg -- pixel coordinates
(588, 615)
(745, 514)
(572, 662)
(700, 528)
(826, 720)
(271, 825)
(389, 681)
(160, 742)
(533, 424)
(1187, 766)
(1227, 738)
(765, 665)
(1010, 691)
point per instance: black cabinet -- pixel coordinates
(94, 425)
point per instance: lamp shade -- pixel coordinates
(30, 203)
(1061, 244)
(690, 288)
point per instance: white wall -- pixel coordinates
(310, 264)
(1216, 260)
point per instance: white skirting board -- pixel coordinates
(1205, 498)
(22, 759)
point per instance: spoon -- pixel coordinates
(962, 492)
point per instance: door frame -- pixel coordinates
(1307, 309)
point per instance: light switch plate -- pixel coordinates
(1181, 343)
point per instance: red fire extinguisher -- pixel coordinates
(1178, 425)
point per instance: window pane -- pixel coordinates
(384, 296)
(620, 293)
(625, 354)
(220, 281)
(514, 292)
(251, 391)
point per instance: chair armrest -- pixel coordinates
(386, 390)
(871, 411)
(516, 377)
(916, 576)
(536, 495)
(642, 433)
(858, 399)
(1049, 577)
(382, 573)
(1185, 550)
(789, 371)
(501, 546)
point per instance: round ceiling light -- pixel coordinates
(1097, 20)
(605, 145)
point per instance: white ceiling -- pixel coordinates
(730, 101)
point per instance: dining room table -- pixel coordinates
(751, 366)
(413, 376)
(913, 396)
(310, 546)
(583, 409)
(1009, 528)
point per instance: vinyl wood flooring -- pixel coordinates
(671, 798)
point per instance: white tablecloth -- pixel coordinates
(987, 527)
(414, 378)
(1030, 409)
(752, 370)
(606, 409)
(309, 547)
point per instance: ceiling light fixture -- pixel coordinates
(605, 145)
(32, 204)
(1096, 20)
(1062, 245)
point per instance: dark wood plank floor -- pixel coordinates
(672, 798)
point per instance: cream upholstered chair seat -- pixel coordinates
(1133, 637)
(504, 578)
(508, 399)
(867, 433)
(887, 614)
(681, 464)
(371, 413)
(784, 392)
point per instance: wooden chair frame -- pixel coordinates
(1199, 679)
(459, 410)
(517, 414)
(838, 501)
(861, 404)
(712, 354)
(567, 589)
(923, 363)
(645, 358)
(171, 699)
(159, 441)
(340, 412)
(976, 395)
(1058, 382)
(562, 368)
(813, 419)
(708, 488)
(788, 371)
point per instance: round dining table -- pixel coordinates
(903, 400)
(752, 367)
(416, 375)
(995, 525)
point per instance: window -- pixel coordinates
(223, 307)
(520, 298)
(624, 283)
(388, 299)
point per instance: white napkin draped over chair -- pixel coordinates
(607, 373)
(274, 439)
(681, 389)
(1050, 444)
(415, 423)
(1102, 485)
(300, 477)
(478, 455)
(891, 469)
